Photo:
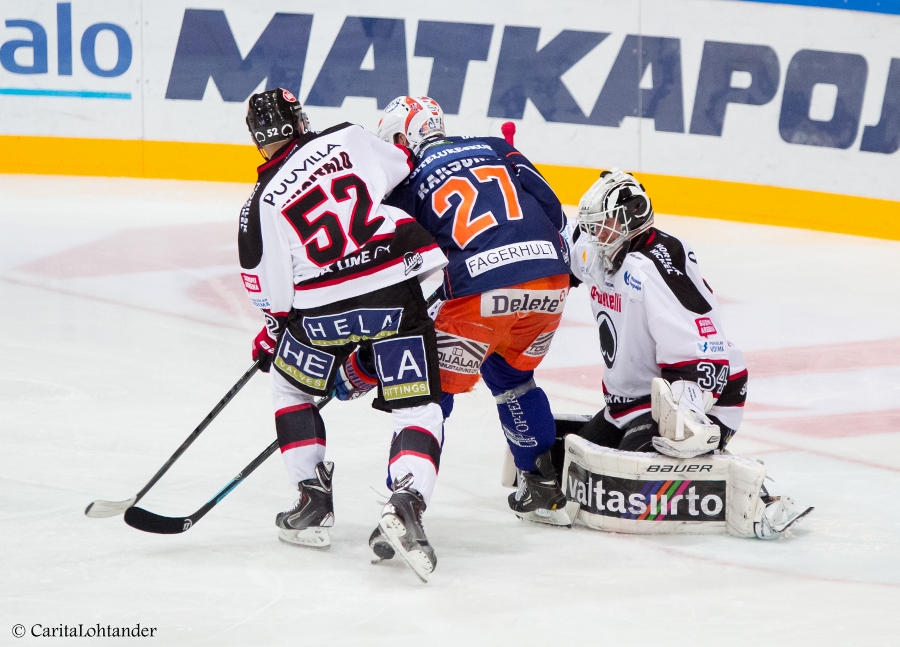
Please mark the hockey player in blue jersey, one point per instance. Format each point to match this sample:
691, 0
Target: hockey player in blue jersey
499, 223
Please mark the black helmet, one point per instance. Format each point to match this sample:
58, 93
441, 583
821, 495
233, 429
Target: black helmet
274, 116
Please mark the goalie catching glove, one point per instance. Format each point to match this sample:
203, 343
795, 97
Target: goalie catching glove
680, 409
353, 380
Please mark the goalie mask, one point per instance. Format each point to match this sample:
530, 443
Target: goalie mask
613, 211
418, 119
275, 116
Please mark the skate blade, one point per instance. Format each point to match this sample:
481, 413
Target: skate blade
312, 537
394, 530
549, 517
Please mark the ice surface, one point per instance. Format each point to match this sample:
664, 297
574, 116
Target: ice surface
124, 321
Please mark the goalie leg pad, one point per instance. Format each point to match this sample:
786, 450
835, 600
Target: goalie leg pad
645, 493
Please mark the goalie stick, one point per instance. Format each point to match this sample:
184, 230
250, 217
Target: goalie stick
151, 522
100, 509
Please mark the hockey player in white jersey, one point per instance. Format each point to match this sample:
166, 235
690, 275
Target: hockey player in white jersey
673, 382
333, 271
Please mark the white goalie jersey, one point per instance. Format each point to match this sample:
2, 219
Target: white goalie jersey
657, 317
314, 230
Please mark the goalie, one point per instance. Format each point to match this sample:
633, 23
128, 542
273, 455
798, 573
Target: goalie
673, 383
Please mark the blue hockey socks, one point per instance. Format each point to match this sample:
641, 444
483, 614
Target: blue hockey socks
524, 411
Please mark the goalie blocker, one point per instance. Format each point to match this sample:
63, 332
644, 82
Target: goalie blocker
644, 493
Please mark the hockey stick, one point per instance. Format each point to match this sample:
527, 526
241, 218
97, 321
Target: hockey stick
152, 522
99, 509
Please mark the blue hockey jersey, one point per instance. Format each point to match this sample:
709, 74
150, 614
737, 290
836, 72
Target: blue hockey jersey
493, 215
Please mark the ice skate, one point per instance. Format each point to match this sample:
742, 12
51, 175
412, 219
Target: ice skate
539, 498
307, 523
779, 514
401, 526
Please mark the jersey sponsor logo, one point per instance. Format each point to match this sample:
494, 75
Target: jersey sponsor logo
520, 435
661, 254
245, 210
251, 282
260, 303
609, 341
491, 259
350, 261
681, 467
609, 300
639, 500
517, 438
412, 261
402, 367
705, 326
705, 348
303, 364
632, 282
503, 302
540, 346
458, 354
352, 326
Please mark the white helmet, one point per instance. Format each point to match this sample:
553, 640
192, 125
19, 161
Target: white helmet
614, 210
418, 118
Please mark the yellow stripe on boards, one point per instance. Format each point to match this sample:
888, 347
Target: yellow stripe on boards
129, 158
754, 203
681, 196
191, 161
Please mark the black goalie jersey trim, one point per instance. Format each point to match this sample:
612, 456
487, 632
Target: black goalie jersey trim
670, 260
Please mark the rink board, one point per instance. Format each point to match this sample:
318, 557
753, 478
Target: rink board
720, 106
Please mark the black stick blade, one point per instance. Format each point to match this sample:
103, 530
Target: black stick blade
150, 522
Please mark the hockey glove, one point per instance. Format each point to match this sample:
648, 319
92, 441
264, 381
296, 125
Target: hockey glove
680, 409
353, 380
267, 339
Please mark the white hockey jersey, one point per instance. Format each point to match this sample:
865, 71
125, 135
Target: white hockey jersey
314, 230
659, 318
